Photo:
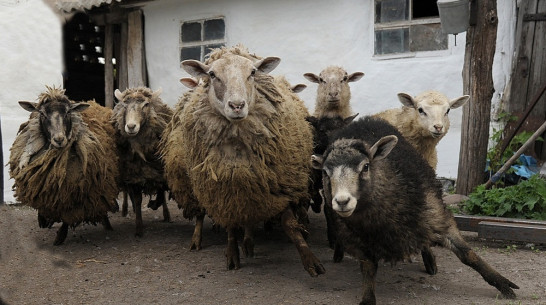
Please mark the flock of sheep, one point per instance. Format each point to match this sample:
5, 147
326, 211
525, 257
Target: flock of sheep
241, 147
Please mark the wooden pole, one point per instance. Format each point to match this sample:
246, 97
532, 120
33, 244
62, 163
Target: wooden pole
135, 50
108, 66
1, 160
478, 83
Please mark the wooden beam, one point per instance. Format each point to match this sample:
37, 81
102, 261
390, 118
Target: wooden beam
471, 222
478, 83
108, 66
512, 231
135, 50
122, 60
1, 160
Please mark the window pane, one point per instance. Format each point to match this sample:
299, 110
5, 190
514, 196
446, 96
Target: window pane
191, 31
427, 37
425, 9
214, 29
391, 10
190, 53
392, 41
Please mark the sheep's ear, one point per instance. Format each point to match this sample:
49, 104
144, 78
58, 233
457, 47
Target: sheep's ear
298, 88
118, 95
189, 82
29, 106
79, 107
458, 102
383, 147
267, 64
195, 68
355, 76
316, 161
312, 77
406, 99
348, 120
158, 92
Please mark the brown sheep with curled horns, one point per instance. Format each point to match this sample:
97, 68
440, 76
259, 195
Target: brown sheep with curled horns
246, 146
64, 162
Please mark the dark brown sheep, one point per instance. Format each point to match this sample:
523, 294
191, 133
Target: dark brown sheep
139, 119
64, 162
390, 203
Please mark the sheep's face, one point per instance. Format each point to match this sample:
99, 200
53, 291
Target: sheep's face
333, 86
136, 107
55, 118
347, 171
432, 109
232, 86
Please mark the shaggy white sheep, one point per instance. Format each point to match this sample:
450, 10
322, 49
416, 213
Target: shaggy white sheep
423, 120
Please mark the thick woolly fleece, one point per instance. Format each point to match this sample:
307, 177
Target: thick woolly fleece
74, 184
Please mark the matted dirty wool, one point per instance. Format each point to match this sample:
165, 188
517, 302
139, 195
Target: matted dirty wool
140, 162
74, 184
275, 142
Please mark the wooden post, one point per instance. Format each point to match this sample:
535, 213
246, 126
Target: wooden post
108, 66
478, 83
122, 60
135, 50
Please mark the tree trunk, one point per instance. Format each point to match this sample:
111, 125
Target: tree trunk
478, 83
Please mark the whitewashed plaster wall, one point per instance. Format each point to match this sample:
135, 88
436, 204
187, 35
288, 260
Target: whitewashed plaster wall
31, 53
309, 35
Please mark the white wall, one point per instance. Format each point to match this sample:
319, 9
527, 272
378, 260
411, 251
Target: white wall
309, 35
30, 48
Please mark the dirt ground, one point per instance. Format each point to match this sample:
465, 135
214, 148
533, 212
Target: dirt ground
95, 266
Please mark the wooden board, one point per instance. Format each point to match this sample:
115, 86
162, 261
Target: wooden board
512, 231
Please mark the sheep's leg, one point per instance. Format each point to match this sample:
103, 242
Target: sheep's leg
369, 270
330, 225
293, 229
106, 223
136, 198
248, 242
470, 258
197, 233
429, 260
339, 252
44, 222
232, 250
161, 200
125, 205
61, 234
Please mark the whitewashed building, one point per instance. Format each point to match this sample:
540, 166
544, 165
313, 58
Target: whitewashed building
398, 44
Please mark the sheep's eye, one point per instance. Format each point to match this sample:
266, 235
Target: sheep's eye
421, 111
344, 78
447, 111
321, 80
253, 72
212, 75
366, 167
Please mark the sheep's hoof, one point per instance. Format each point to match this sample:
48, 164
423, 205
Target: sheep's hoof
429, 260
232, 258
312, 265
248, 247
195, 243
61, 235
338, 253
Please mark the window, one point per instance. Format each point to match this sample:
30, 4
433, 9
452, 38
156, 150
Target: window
405, 26
198, 37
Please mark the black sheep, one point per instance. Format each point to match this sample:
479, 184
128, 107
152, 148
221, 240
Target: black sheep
390, 202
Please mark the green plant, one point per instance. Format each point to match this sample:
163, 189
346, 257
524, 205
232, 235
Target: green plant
526, 199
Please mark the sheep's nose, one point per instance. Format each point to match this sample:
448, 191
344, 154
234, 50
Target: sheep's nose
438, 127
342, 200
131, 126
236, 106
58, 139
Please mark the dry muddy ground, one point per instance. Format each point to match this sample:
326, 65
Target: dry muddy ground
95, 266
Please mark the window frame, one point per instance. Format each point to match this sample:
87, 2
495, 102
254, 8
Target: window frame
401, 24
201, 43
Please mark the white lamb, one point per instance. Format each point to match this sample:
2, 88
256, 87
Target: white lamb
423, 120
